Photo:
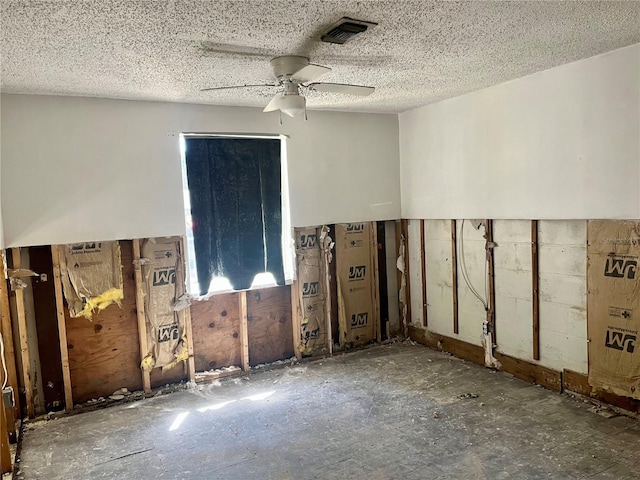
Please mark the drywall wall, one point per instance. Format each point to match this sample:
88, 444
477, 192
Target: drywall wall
562, 261
559, 144
79, 169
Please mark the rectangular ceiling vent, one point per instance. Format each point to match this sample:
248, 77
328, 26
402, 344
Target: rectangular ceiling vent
345, 30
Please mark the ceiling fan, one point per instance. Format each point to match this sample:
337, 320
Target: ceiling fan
295, 75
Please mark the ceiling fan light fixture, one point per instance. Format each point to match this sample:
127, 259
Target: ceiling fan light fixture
292, 105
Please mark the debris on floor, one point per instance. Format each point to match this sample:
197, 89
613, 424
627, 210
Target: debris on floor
604, 411
467, 395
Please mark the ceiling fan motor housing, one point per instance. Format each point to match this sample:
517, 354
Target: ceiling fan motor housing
286, 66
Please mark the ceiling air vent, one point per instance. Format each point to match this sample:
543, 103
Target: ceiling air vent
345, 29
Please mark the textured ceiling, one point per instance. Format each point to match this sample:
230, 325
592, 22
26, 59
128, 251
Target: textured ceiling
421, 51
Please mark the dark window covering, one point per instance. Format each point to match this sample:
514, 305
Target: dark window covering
236, 208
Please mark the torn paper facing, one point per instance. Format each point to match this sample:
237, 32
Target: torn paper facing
91, 277
164, 289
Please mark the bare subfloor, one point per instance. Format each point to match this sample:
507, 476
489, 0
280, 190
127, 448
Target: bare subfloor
389, 412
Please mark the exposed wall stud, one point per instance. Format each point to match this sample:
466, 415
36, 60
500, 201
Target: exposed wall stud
325, 272
405, 234
491, 313
59, 268
140, 311
186, 318
5, 452
398, 231
244, 331
295, 318
454, 273
535, 289
376, 283
23, 333
425, 321
6, 329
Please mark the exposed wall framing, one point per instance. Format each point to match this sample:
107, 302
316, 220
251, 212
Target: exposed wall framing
6, 330
454, 274
23, 335
58, 264
140, 314
423, 275
491, 312
535, 293
104, 354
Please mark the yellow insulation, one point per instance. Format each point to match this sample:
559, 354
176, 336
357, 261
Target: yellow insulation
148, 363
181, 356
102, 301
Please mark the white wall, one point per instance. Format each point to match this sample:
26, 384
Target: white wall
79, 169
560, 144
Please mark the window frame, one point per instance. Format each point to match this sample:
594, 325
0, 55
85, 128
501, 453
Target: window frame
288, 242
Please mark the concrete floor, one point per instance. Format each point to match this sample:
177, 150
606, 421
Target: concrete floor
389, 412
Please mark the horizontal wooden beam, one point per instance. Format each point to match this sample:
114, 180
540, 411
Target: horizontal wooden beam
521, 369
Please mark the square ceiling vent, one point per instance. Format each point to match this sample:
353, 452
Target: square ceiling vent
345, 29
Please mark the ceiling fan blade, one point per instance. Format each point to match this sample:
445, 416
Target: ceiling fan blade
310, 73
237, 86
230, 49
274, 104
342, 88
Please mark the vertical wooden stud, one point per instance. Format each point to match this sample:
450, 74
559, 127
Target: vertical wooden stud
6, 329
398, 232
491, 313
140, 311
295, 318
191, 363
375, 283
59, 269
405, 234
186, 318
454, 273
423, 264
325, 272
24, 342
5, 453
244, 330
535, 290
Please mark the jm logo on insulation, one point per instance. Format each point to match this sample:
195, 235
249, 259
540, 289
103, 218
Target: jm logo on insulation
620, 268
357, 273
620, 341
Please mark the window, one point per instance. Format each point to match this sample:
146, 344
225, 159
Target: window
236, 212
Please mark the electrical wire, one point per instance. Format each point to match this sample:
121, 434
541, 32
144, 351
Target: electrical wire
465, 274
4, 364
